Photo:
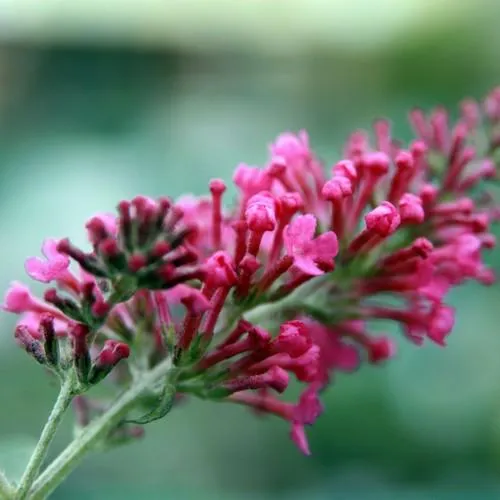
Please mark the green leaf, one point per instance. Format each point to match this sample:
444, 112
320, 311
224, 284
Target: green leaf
164, 405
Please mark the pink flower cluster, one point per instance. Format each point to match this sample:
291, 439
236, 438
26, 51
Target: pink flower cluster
315, 252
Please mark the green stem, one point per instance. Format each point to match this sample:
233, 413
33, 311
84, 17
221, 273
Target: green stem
6, 489
48, 433
64, 464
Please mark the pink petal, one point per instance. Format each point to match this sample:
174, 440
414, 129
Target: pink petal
298, 233
307, 266
18, 298
52, 268
411, 209
49, 249
45, 271
291, 147
298, 436
260, 212
383, 219
251, 180
309, 407
441, 323
326, 246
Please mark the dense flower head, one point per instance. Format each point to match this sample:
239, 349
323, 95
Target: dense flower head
286, 283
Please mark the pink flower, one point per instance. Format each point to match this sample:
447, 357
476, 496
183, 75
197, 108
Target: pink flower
383, 220
222, 266
100, 226
302, 414
110, 355
275, 378
306, 251
251, 180
335, 353
381, 349
345, 168
376, 164
112, 352
436, 289
220, 271
109, 221
261, 212
306, 412
428, 193
326, 248
460, 259
410, 209
337, 188
197, 214
441, 322
293, 338
292, 147
55, 267
18, 299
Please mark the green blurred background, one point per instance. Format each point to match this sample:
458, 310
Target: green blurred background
101, 100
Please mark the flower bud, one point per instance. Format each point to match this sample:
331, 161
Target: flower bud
81, 356
111, 354
51, 345
30, 345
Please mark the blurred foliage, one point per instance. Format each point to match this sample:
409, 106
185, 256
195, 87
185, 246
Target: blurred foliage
82, 128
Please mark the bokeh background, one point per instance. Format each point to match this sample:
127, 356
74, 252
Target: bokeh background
104, 99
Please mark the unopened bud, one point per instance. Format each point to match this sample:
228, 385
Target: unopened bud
51, 345
112, 254
30, 344
112, 353
81, 356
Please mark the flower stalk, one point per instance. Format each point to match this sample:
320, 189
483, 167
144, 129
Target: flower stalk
96, 432
55, 418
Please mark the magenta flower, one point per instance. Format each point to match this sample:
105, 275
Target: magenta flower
260, 213
305, 413
53, 268
441, 322
284, 284
251, 180
103, 225
383, 220
292, 147
306, 250
19, 299
411, 209
335, 353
